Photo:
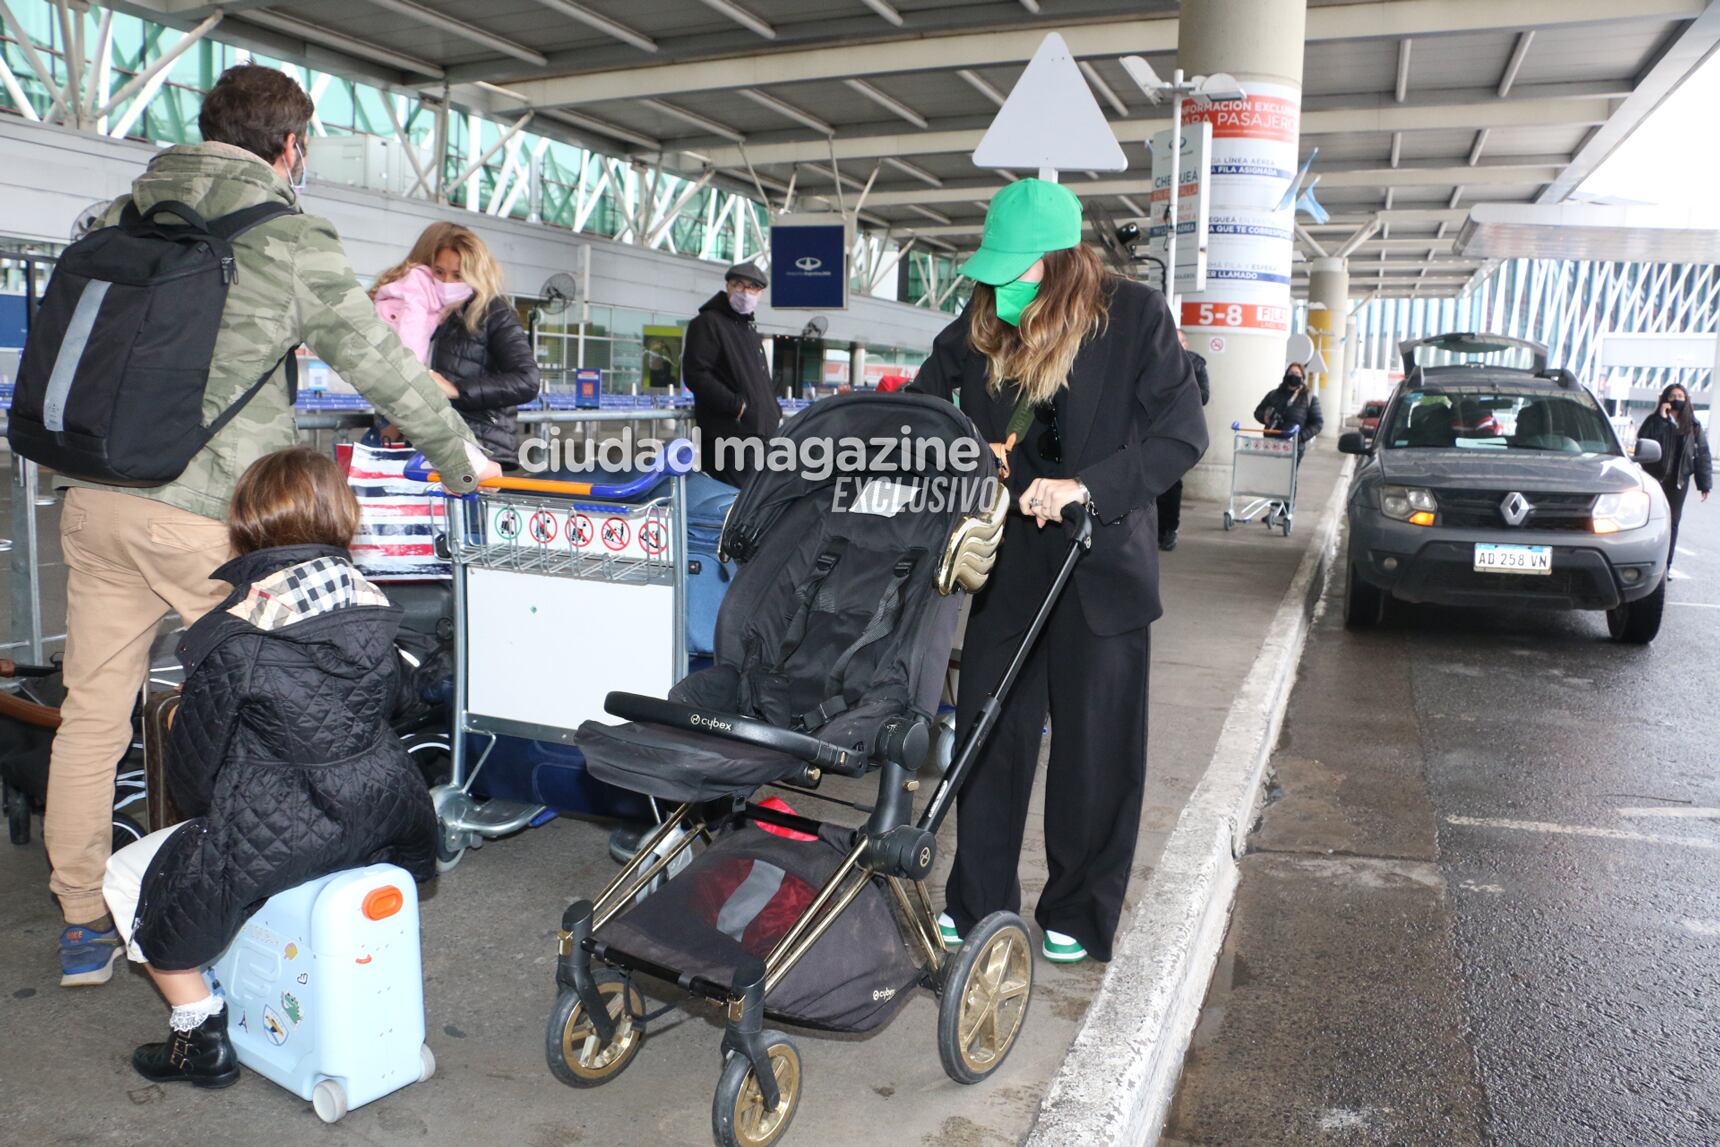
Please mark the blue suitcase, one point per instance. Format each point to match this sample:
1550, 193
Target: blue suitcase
325, 989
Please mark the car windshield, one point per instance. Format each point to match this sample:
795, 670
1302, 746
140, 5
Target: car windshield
1500, 416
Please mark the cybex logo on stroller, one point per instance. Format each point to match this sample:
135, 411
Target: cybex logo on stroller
700, 721
883, 994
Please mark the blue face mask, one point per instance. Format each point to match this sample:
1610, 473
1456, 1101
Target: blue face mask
1012, 298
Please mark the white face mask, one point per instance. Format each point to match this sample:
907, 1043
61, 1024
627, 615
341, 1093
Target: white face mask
744, 302
453, 294
298, 176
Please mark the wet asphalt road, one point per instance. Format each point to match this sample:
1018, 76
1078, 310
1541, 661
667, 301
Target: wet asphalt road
1484, 903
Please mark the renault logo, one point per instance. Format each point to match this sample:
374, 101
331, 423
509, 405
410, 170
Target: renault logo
1515, 509
809, 262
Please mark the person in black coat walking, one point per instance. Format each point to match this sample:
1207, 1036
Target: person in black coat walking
1076, 376
723, 364
280, 752
480, 356
1170, 502
1292, 404
1683, 453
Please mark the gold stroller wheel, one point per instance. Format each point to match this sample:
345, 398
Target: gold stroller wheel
738, 1115
986, 993
577, 1054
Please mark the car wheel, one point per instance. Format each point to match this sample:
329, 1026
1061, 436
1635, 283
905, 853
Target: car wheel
1637, 622
1364, 604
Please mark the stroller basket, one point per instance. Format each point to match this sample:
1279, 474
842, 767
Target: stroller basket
740, 897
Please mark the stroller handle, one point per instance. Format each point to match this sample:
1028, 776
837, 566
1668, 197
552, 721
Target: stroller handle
418, 470
10, 668
733, 727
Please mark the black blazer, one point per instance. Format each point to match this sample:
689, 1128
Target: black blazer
1133, 428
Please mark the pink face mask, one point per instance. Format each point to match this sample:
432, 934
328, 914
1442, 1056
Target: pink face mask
453, 294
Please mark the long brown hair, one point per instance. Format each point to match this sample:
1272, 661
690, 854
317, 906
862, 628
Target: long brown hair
293, 497
1684, 419
478, 268
1072, 306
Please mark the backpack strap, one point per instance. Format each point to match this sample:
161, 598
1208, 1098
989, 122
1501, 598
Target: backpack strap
230, 227
227, 228
137, 221
290, 360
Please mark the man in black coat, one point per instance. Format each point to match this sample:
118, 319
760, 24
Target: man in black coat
723, 364
1170, 502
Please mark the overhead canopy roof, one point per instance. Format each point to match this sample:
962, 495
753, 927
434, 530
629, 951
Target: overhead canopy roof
1420, 108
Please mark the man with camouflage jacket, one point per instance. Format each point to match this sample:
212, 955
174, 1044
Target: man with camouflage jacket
131, 555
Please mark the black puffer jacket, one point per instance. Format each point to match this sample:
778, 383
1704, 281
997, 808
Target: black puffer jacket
1283, 408
494, 371
723, 365
282, 755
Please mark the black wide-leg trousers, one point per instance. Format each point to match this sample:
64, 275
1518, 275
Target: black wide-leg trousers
1095, 691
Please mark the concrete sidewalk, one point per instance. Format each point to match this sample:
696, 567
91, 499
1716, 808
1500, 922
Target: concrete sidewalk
489, 956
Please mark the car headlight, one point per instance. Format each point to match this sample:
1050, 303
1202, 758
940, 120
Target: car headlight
1627, 510
1408, 504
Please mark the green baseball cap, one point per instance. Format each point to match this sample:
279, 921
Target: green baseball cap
1026, 220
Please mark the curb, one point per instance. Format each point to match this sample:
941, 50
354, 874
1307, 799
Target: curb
1116, 1084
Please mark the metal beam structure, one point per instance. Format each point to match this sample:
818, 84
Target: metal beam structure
1104, 39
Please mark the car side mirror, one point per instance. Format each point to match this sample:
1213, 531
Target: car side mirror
1352, 442
1647, 452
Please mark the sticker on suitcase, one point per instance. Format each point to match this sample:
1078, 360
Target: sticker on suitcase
273, 1027
294, 1011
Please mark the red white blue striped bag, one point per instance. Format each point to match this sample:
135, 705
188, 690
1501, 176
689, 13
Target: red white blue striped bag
398, 518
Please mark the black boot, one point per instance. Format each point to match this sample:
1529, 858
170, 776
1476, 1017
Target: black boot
203, 1056
1168, 541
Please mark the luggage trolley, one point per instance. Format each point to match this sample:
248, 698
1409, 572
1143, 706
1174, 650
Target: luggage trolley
1263, 470
546, 573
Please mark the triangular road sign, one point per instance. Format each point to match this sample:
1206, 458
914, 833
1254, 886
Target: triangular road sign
1051, 120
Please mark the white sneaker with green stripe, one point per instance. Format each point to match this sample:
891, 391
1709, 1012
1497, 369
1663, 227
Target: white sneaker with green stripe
1061, 949
947, 931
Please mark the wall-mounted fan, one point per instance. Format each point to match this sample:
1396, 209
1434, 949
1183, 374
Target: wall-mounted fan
89, 219
559, 292
815, 327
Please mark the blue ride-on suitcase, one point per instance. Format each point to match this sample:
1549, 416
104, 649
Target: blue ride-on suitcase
325, 989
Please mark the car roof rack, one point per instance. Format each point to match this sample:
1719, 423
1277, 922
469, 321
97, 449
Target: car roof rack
1472, 342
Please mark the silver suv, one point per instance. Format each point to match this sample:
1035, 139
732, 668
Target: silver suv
1493, 481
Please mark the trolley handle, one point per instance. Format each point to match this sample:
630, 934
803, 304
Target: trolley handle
418, 470
9, 668
1290, 433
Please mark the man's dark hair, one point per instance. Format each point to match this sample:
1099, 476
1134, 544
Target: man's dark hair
255, 108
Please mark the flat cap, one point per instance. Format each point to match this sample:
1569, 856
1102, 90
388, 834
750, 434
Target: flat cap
748, 271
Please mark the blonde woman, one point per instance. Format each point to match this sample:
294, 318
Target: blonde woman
1078, 376
480, 355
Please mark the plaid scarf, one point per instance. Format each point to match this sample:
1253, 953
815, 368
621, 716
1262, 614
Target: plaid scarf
308, 589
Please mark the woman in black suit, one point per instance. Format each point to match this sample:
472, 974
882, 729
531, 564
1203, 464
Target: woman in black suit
1079, 375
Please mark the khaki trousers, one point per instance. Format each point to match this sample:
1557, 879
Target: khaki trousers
129, 560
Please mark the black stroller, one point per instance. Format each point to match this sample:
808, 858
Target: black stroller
831, 648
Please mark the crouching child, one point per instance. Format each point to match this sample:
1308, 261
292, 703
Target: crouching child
281, 753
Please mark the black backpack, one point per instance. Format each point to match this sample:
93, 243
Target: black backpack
111, 384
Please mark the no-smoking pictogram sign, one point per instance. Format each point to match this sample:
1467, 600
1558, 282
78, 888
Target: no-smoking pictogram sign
653, 538
615, 533
579, 530
543, 527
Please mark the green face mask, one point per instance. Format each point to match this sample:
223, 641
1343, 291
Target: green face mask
1012, 299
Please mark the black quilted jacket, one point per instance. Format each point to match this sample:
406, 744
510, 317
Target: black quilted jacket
494, 371
282, 755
